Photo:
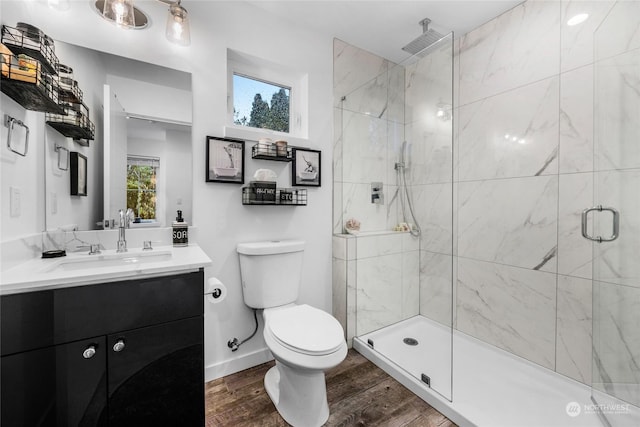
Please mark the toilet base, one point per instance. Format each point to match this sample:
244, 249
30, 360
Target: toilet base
300, 396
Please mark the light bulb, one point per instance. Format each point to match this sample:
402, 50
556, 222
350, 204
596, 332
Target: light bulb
178, 25
120, 12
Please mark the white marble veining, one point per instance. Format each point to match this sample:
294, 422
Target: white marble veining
511, 308
430, 150
616, 262
351, 299
371, 98
576, 120
339, 290
364, 148
574, 251
616, 340
573, 342
436, 298
396, 94
40, 274
576, 41
357, 204
516, 48
353, 67
428, 83
512, 134
379, 292
620, 30
510, 221
376, 245
387, 279
617, 108
410, 304
434, 210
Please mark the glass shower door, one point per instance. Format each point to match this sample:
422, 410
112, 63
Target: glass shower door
616, 217
397, 168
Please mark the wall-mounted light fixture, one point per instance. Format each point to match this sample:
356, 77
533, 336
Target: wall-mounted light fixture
178, 24
124, 14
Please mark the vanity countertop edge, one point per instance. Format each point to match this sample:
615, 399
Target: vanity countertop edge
36, 275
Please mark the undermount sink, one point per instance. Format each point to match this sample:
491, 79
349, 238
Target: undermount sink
122, 260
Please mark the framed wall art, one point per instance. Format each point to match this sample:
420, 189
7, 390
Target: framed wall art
78, 172
225, 160
306, 171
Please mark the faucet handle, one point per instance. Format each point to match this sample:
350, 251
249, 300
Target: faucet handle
94, 248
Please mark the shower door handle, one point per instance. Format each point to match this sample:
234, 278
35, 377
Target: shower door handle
599, 239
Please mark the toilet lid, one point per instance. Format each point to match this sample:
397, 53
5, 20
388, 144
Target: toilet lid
307, 330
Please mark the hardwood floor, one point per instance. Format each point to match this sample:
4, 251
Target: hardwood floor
359, 394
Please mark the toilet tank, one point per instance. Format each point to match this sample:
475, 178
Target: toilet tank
271, 272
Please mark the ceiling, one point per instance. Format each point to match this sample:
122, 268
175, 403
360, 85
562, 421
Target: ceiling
384, 27
381, 27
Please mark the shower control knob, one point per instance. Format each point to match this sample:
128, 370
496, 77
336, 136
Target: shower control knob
118, 346
89, 352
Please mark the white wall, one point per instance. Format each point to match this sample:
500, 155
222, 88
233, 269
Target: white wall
221, 218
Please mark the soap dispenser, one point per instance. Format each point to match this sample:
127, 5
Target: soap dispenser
180, 231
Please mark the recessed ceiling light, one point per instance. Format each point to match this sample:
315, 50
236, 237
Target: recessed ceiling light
577, 19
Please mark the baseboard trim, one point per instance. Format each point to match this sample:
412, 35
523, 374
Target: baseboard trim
240, 363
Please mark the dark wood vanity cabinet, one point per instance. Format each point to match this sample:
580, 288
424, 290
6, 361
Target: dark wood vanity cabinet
126, 353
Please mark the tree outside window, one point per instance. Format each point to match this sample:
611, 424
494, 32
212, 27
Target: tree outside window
250, 107
141, 187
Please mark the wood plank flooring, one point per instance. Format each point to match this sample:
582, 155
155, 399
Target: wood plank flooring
359, 394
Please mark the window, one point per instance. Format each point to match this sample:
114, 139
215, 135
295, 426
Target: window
260, 104
265, 98
141, 187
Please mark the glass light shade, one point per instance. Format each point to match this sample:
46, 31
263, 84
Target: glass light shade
178, 25
120, 12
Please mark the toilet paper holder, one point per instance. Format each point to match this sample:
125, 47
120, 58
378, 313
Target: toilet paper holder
215, 293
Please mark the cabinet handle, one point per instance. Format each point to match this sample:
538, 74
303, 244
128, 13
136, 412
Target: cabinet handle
118, 346
89, 352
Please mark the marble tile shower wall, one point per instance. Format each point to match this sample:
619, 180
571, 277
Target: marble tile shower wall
524, 173
369, 110
369, 130
617, 292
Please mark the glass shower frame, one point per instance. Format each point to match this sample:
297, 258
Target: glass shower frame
615, 268
393, 276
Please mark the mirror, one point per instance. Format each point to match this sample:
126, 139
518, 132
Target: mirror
142, 116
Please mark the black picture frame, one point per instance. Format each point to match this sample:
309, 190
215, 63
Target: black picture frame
78, 172
306, 168
225, 160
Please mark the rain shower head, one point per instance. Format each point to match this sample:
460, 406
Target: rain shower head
428, 38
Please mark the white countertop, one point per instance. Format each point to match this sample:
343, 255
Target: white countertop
39, 274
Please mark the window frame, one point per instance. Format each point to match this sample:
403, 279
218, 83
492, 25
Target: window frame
154, 162
275, 74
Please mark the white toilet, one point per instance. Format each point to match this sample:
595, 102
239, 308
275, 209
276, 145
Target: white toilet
305, 341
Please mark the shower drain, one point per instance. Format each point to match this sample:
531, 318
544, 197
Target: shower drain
410, 341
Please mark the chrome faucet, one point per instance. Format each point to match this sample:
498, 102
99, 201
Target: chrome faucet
125, 221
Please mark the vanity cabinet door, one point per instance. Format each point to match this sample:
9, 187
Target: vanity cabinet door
156, 375
63, 385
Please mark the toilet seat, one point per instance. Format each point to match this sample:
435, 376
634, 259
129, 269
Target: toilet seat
306, 330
